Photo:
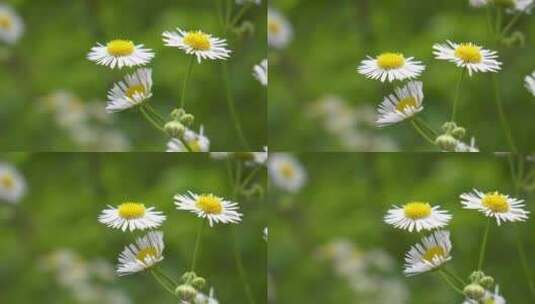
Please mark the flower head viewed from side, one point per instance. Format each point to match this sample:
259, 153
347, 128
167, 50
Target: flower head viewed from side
429, 254
529, 83
197, 142
11, 25
120, 53
146, 252
132, 91
468, 55
417, 215
198, 43
280, 31
12, 184
214, 208
494, 204
390, 67
286, 172
405, 103
260, 72
131, 216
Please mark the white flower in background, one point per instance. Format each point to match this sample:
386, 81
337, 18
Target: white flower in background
417, 215
132, 216
494, 204
489, 298
468, 55
405, 103
260, 72
257, 2
390, 67
519, 6
429, 254
201, 298
198, 43
286, 172
132, 91
120, 53
463, 147
529, 83
280, 31
197, 142
478, 3
146, 252
214, 208
11, 25
12, 184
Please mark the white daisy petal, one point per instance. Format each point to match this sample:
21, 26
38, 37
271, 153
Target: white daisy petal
432, 251
286, 172
405, 103
390, 67
12, 184
131, 216
120, 53
469, 56
146, 252
11, 25
197, 142
260, 72
213, 208
132, 91
201, 45
494, 204
417, 216
529, 83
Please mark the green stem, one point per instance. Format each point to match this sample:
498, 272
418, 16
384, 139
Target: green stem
169, 280
483, 246
161, 282
154, 113
454, 276
238, 16
241, 270
503, 119
197, 245
457, 96
489, 22
150, 119
422, 133
498, 22
511, 24
228, 12
186, 80
524, 262
231, 107
450, 283
219, 9
249, 177
426, 126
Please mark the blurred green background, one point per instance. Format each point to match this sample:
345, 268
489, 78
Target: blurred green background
331, 39
66, 193
347, 197
51, 57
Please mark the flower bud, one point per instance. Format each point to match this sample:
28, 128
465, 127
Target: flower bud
487, 282
187, 119
187, 277
449, 126
186, 292
174, 128
458, 132
474, 291
198, 282
178, 113
446, 142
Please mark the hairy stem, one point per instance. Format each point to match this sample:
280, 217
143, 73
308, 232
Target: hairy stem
422, 133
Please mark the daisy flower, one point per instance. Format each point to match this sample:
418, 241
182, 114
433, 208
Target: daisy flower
429, 254
11, 25
286, 172
132, 91
120, 53
12, 184
198, 43
146, 252
214, 208
197, 142
463, 147
403, 104
280, 31
468, 55
391, 66
260, 72
529, 83
417, 215
516, 6
202, 298
132, 216
494, 204
489, 297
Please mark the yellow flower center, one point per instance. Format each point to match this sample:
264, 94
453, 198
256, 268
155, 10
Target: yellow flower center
194, 145
198, 41
496, 202
135, 90
131, 210
390, 61
274, 27
417, 210
146, 252
433, 252
7, 181
120, 47
469, 53
5, 22
287, 170
406, 103
210, 204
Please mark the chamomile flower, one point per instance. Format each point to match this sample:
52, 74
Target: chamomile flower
145, 253
280, 31
11, 25
197, 142
286, 172
260, 72
432, 251
132, 216
132, 91
494, 204
12, 184
390, 67
417, 215
529, 83
403, 104
198, 43
120, 53
469, 56
214, 208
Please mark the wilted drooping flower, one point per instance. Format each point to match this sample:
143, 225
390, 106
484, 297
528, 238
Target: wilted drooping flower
417, 215
429, 254
197, 43
404, 103
132, 216
214, 208
146, 252
12, 184
390, 67
260, 72
494, 204
120, 53
280, 31
11, 25
468, 56
133, 91
286, 172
